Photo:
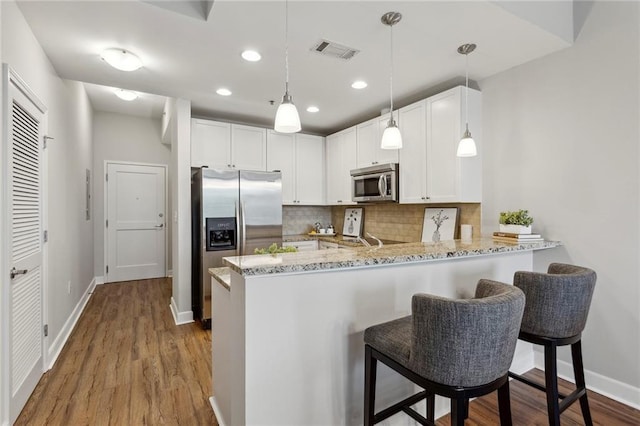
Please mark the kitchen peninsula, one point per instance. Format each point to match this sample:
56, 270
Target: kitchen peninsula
288, 330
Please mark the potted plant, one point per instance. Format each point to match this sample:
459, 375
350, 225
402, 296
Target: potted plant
516, 222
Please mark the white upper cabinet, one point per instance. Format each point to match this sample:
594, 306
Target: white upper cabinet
281, 156
210, 144
248, 147
430, 171
219, 145
310, 178
300, 158
369, 135
341, 159
413, 155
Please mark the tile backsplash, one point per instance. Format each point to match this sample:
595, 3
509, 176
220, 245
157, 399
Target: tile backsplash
403, 222
298, 220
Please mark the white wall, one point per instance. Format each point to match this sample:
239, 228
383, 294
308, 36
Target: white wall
70, 247
561, 138
119, 137
180, 123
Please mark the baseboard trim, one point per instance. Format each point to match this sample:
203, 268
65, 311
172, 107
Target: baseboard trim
180, 318
611, 388
58, 344
217, 411
99, 280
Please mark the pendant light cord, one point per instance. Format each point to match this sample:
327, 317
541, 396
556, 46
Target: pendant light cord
466, 92
286, 46
391, 72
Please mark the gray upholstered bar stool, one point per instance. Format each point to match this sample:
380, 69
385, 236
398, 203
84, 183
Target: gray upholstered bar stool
555, 313
458, 349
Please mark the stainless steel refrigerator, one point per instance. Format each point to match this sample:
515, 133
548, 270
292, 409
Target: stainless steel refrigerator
232, 213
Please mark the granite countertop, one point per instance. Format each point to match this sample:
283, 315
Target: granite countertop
369, 256
222, 275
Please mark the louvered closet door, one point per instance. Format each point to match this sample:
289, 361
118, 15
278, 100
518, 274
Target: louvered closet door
25, 257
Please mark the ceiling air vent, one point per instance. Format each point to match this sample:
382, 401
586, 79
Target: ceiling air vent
335, 50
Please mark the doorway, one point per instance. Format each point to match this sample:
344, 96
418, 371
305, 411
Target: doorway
135, 225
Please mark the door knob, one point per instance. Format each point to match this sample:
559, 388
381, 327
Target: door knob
160, 226
15, 272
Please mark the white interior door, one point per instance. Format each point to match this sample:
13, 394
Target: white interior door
25, 259
135, 224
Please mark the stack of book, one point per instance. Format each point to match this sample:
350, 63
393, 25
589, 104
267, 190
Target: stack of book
517, 238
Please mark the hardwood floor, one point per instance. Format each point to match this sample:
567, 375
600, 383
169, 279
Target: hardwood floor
529, 407
127, 363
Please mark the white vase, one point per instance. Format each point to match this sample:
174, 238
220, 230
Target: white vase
515, 229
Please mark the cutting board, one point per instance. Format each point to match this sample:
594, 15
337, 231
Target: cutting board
353, 222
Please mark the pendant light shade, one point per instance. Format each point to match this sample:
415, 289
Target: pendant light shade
467, 146
391, 138
287, 118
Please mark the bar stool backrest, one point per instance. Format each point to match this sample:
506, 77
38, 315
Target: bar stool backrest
557, 303
467, 342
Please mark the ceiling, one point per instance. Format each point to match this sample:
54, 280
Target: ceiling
192, 48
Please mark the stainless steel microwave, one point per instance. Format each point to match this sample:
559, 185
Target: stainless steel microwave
377, 183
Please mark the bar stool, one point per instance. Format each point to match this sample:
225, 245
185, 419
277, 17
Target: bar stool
458, 349
555, 313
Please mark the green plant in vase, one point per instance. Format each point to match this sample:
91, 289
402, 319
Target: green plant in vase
517, 222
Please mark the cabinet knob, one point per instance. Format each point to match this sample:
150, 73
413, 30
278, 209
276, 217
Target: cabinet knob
229, 165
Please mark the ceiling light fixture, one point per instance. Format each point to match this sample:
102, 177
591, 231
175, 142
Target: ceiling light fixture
467, 146
391, 138
359, 84
313, 109
223, 92
121, 59
287, 118
251, 56
126, 95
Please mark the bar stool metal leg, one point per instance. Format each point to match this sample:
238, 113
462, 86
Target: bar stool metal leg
457, 412
578, 372
370, 368
551, 384
504, 405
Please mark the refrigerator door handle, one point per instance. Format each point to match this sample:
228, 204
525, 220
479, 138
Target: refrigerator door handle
243, 230
237, 213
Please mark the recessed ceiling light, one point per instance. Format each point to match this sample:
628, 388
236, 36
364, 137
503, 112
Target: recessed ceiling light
223, 92
251, 56
313, 109
126, 95
121, 59
359, 84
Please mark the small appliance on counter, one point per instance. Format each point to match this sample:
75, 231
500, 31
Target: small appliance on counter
353, 222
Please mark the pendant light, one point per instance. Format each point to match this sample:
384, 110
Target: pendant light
391, 138
467, 146
287, 118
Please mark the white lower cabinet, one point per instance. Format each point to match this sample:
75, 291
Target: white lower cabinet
430, 171
300, 158
305, 245
341, 159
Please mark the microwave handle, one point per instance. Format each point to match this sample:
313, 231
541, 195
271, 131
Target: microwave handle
381, 181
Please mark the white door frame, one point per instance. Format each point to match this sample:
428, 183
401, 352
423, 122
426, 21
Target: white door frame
9, 76
105, 213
